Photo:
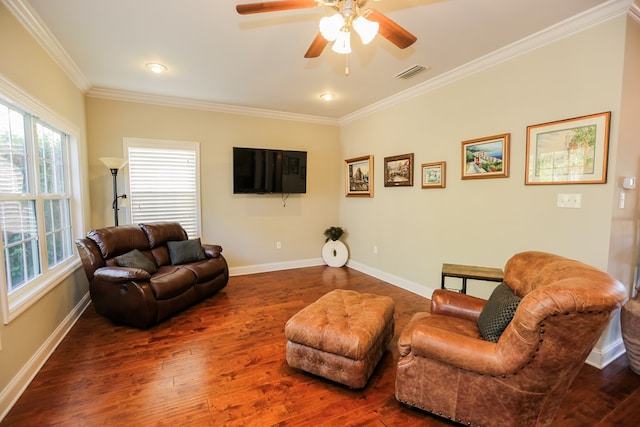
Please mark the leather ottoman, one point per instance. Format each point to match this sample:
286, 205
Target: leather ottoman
342, 336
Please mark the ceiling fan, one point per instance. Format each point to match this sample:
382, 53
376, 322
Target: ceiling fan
351, 14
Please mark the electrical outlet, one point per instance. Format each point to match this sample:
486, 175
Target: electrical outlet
375, 250
278, 245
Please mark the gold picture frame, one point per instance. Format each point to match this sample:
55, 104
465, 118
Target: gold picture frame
434, 175
570, 151
486, 157
359, 176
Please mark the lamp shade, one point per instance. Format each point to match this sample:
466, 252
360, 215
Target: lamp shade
366, 29
343, 43
330, 26
113, 162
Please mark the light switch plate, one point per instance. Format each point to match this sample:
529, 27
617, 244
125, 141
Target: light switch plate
629, 183
573, 201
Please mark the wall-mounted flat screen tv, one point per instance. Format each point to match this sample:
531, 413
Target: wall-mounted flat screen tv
261, 171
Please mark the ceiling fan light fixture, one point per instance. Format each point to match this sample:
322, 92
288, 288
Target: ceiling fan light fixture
330, 26
366, 29
343, 43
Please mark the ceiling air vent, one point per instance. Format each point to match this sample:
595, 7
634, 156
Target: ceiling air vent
410, 72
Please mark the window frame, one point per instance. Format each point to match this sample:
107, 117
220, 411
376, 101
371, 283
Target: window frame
167, 145
14, 305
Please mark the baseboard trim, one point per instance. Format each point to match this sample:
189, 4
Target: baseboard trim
405, 284
21, 381
276, 266
600, 358
312, 262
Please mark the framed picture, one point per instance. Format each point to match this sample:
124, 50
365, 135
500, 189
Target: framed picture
398, 171
571, 151
359, 176
486, 157
434, 175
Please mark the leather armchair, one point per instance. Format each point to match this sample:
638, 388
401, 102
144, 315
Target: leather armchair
448, 369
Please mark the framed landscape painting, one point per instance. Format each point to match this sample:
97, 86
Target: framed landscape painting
359, 177
398, 171
571, 151
486, 157
433, 175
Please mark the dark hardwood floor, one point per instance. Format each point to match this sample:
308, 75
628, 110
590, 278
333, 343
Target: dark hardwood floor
222, 362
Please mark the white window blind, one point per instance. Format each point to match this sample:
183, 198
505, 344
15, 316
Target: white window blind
164, 182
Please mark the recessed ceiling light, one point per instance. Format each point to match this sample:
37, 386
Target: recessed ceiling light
156, 68
327, 96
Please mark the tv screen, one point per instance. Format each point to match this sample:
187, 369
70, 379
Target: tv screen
261, 170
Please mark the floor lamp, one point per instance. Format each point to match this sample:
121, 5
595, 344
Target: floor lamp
114, 164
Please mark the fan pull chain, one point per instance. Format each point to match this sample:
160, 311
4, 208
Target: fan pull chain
346, 66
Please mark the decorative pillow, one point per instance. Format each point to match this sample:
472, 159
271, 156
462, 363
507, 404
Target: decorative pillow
135, 259
185, 251
497, 312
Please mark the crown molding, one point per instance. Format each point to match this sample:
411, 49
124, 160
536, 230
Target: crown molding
25, 14
606, 11
566, 28
205, 106
30, 20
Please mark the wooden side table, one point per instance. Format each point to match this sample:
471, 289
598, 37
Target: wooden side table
465, 272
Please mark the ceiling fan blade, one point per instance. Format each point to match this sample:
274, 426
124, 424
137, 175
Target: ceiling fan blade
392, 31
317, 46
274, 6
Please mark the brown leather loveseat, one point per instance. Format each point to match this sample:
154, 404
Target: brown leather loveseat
142, 274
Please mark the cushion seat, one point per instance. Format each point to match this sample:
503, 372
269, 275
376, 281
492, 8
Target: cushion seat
205, 270
171, 281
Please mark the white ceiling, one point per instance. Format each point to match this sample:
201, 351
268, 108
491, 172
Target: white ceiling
217, 57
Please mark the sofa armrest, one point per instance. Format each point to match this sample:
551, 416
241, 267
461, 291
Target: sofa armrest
211, 251
90, 256
121, 274
463, 352
455, 304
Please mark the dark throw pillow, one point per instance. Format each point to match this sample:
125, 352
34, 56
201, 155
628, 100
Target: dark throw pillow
497, 312
135, 259
185, 251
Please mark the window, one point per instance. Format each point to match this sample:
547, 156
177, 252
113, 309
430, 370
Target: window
36, 239
164, 182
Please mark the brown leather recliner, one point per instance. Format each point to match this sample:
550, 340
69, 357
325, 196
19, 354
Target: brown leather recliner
138, 297
448, 369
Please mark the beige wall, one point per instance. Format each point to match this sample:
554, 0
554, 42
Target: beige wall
624, 255
483, 222
247, 226
27, 66
625, 223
